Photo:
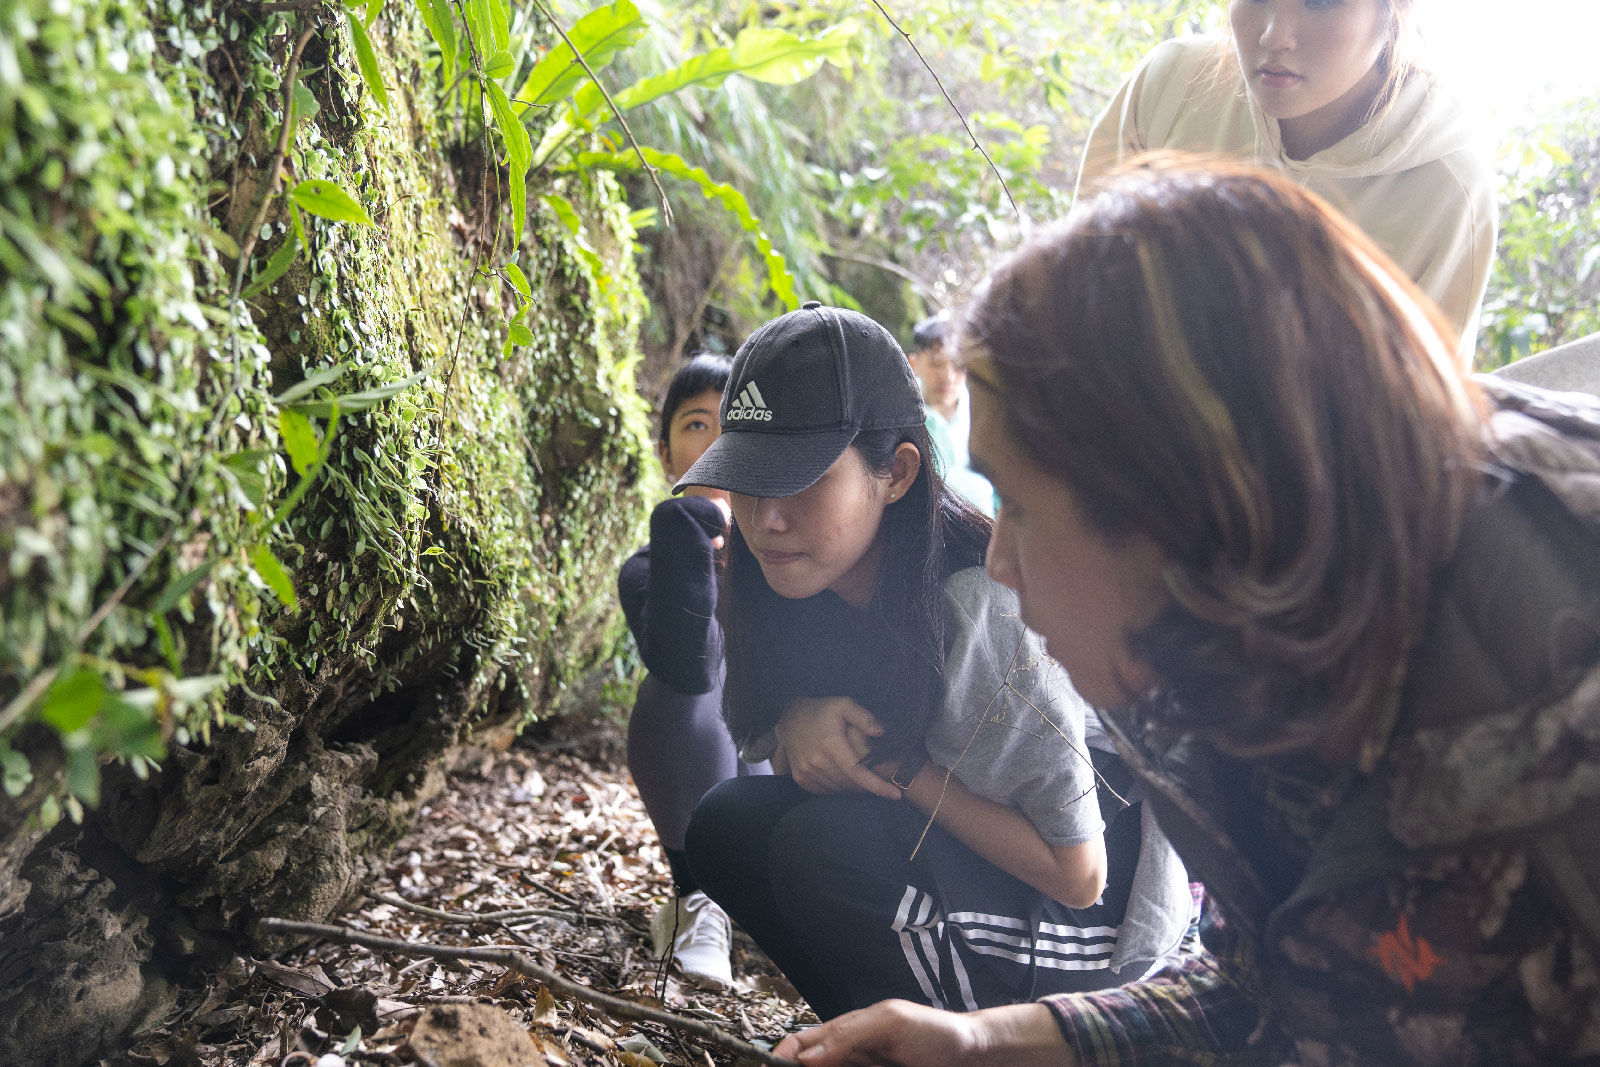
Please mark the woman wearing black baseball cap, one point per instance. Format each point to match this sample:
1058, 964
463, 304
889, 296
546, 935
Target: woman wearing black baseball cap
938, 834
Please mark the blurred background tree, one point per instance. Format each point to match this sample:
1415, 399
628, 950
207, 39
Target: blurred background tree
1545, 289
863, 175
866, 181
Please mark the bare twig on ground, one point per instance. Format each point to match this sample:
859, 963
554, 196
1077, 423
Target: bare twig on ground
655, 179
949, 100
556, 893
494, 918
519, 962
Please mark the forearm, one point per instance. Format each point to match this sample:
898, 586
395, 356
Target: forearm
1021, 1035
1203, 1007
903, 1034
1073, 875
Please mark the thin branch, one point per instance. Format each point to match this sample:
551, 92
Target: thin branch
494, 918
556, 893
689, 324
519, 962
888, 267
41, 681
666, 208
1006, 188
247, 239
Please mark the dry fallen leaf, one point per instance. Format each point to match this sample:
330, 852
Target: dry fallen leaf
544, 1009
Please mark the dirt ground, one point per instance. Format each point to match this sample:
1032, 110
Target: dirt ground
553, 824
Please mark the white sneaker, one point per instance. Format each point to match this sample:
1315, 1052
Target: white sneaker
702, 940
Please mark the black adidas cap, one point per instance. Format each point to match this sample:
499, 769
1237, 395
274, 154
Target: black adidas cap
802, 387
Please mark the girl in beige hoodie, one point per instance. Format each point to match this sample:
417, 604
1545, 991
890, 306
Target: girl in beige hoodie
1327, 92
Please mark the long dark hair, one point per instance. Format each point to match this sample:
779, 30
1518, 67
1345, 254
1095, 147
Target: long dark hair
927, 535
1210, 357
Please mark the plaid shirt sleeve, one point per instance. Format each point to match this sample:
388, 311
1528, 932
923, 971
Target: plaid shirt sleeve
1201, 1009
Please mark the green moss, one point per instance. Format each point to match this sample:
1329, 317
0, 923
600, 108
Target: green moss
476, 519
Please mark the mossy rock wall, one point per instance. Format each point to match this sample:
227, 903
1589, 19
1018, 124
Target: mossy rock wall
453, 564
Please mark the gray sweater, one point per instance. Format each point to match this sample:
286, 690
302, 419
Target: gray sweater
1014, 731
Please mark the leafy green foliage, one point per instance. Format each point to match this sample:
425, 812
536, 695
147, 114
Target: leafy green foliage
778, 276
760, 53
600, 36
109, 301
276, 266
271, 571
299, 439
366, 58
441, 25
519, 155
1545, 285
327, 200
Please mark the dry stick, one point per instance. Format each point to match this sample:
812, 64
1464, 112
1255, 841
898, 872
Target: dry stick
1006, 188
519, 962
491, 917
666, 208
247, 243
483, 198
891, 268
983, 719
950, 771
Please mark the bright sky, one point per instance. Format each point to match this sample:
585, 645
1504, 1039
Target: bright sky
1515, 57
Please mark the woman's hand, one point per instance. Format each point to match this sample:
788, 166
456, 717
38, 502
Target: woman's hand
824, 740
902, 1034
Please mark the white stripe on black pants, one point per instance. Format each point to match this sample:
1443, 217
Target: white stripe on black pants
825, 885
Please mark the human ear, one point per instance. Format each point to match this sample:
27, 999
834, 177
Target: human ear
665, 455
907, 462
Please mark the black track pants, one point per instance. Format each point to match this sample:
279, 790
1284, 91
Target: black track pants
827, 887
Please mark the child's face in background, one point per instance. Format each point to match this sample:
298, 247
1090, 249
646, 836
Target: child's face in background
940, 376
689, 433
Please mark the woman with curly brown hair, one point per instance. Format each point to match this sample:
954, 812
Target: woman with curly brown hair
1338, 604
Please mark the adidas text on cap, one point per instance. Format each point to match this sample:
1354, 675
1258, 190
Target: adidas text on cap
749, 405
803, 385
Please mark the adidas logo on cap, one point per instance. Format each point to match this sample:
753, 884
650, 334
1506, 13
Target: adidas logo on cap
748, 405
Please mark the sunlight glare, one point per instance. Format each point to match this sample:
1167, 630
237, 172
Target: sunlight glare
1515, 61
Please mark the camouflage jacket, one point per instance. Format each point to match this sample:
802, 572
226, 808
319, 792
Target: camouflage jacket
1443, 909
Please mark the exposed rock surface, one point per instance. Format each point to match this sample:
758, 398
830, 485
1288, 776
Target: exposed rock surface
472, 1035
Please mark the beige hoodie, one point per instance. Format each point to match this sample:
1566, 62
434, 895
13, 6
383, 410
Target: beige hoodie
1414, 180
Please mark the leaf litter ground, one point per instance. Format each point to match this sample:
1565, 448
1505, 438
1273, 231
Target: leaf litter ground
554, 825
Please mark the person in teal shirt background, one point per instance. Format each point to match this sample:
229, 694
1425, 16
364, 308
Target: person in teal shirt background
944, 397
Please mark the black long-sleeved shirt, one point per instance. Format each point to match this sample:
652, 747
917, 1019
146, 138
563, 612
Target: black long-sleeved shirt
669, 595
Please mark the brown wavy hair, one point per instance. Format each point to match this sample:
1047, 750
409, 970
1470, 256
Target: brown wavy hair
1208, 355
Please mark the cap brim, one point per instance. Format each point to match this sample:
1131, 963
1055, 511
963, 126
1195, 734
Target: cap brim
766, 464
